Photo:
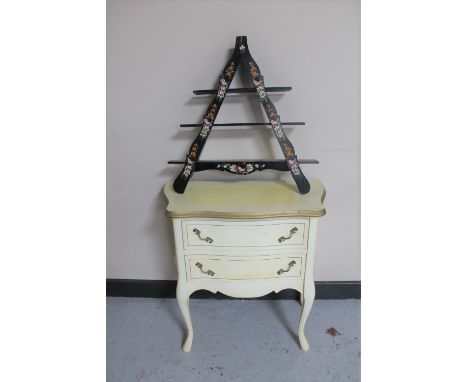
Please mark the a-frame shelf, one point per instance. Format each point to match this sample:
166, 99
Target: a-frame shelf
241, 57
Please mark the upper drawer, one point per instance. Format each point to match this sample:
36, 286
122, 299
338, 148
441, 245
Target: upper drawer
261, 234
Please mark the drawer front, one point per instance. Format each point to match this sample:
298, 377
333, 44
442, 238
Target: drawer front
243, 268
263, 234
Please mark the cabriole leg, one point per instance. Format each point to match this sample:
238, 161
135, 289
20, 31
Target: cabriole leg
183, 301
307, 300
308, 292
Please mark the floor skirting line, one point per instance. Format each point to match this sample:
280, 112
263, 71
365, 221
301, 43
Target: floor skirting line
325, 290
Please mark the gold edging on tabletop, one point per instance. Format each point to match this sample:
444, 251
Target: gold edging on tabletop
244, 215
248, 215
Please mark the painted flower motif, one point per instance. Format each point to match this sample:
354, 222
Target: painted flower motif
188, 167
241, 169
222, 89
278, 129
204, 131
270, 112
187, 170
288, 150
229, 70
206, 128
294, 166
211, 113
193, 151
261, 92
260, 88
252, 69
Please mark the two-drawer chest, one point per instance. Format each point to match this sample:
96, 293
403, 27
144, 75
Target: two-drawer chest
245, 239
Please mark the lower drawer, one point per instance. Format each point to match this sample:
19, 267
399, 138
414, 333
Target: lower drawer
243, 267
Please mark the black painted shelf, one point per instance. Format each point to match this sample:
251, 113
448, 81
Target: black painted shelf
244, 124
216, 161
273, 89
243, 166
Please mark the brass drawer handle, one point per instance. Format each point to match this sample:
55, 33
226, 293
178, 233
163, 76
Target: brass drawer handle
198, 233
290, 265
209, 272
291, 233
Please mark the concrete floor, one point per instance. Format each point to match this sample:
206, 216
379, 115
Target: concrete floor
234, 340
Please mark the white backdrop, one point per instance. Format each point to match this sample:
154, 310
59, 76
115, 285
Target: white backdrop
159, 51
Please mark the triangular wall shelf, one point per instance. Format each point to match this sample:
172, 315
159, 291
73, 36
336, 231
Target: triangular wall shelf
192, 163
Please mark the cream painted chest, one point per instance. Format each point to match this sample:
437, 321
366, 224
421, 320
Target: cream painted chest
245, 239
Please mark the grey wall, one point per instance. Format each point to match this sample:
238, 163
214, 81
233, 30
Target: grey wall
159, 51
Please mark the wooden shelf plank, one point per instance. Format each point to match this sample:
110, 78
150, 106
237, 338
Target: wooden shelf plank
211, 161
244, 124
243, 166
273, 89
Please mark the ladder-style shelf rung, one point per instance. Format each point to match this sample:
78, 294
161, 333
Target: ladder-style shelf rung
244, 124
208, 161
273, 89
243, 166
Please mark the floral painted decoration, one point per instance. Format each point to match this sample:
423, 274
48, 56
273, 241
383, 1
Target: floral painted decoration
288, 150
206, 128
188, 168
193, 151
294, 166
241, 168
253, 69
221, 89
277, 128
270, 112
229, 72
260, 89
212, 112
187, 171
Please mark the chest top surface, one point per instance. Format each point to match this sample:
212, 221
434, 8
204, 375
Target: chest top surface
245, 199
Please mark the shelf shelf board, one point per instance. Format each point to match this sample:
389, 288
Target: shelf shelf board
273, 89
243, 166
244, 124
230, 161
